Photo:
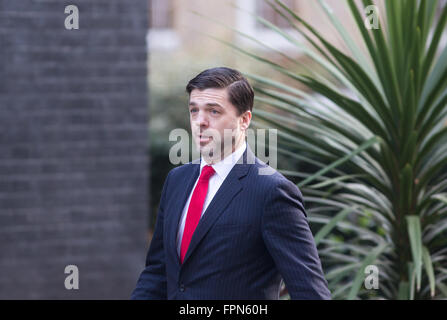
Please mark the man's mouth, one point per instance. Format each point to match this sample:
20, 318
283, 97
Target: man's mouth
205, 139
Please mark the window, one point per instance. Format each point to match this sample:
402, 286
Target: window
264, 10
161, 14
248, 24
161, 34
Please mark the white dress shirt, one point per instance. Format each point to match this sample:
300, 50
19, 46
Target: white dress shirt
222, 170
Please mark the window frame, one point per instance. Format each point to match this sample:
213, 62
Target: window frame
162, 39
247, 24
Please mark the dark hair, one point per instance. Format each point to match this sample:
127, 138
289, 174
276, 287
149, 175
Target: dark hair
240, 92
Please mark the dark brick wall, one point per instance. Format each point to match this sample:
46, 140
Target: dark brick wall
73, 148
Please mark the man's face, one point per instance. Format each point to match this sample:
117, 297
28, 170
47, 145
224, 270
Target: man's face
211, 114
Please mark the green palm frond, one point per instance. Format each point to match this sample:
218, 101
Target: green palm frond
371, 123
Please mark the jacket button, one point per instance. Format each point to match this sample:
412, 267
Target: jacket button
182, 287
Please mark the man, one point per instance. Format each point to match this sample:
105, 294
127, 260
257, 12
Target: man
225, 229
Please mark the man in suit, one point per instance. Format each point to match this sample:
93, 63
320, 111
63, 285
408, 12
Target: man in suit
225, 229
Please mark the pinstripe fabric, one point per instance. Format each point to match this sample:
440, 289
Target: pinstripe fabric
253, 233
222, 170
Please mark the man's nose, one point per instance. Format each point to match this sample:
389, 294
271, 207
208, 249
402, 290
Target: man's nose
202, 119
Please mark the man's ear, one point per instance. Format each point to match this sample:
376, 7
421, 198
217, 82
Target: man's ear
245, 120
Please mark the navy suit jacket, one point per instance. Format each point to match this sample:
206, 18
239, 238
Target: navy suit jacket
253, 233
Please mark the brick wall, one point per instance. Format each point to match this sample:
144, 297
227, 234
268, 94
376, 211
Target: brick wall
73, 148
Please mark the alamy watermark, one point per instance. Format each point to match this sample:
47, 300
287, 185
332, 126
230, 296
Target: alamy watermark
182, 153
372, 277
72, 20
72, 280
372, 17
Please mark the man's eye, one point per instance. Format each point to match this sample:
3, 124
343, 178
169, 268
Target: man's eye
193, 110
215, 112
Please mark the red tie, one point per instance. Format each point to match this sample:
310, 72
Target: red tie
195, 209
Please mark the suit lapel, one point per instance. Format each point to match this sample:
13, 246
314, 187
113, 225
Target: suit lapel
182, 195
227, 191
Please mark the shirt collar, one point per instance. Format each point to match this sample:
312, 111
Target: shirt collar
224, 166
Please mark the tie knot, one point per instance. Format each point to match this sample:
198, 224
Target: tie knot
207, 172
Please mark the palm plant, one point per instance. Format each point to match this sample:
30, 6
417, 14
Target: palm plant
373, 121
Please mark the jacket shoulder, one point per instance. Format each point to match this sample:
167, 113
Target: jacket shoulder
181, 170
269, 179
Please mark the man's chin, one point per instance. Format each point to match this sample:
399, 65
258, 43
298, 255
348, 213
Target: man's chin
206, 151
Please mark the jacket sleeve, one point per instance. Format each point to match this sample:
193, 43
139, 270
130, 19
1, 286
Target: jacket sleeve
152, 283
289, 240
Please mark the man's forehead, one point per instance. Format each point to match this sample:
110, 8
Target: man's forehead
209, 95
